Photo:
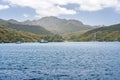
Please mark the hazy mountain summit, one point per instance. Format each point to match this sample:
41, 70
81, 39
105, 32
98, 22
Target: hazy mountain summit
48, 24
57, 25
13, 21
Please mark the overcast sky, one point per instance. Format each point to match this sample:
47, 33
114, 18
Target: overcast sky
93, 12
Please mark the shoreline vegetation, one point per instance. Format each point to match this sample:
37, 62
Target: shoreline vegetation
8, 35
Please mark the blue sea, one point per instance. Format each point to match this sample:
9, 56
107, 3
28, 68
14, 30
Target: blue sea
60, 61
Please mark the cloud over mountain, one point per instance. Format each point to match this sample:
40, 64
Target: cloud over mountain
57, 7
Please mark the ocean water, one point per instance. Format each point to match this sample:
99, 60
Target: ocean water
60, 61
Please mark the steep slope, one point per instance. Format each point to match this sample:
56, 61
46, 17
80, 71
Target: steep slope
21, 27
11, 35
108, 33
59, 26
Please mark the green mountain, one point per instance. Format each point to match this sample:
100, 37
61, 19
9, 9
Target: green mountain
107, 33
12, 31
8, 34
21, 27
59, 26
11, 35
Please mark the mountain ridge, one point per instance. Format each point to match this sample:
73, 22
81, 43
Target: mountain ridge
59, 26
105, 33
108, 33
23, 27
10, 35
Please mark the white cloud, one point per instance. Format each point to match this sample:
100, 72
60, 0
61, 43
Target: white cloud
118, 7
95, 5
26, 15
53, 8
42, 7
4, 7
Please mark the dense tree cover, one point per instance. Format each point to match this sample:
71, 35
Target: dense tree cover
53, 38
108, 33
11, 35
101, 36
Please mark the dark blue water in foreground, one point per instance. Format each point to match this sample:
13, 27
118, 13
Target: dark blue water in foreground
60, 61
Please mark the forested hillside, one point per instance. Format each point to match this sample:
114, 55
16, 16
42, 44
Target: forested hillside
12, 35
22, 27
107, 33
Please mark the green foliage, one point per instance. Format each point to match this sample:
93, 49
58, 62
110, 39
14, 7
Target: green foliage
52, 38
11, 35
73, 36
27, 33
26, 28
109, 33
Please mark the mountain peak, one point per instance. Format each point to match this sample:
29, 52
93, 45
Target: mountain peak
49, 18
52, 17
13, 21
58, 25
